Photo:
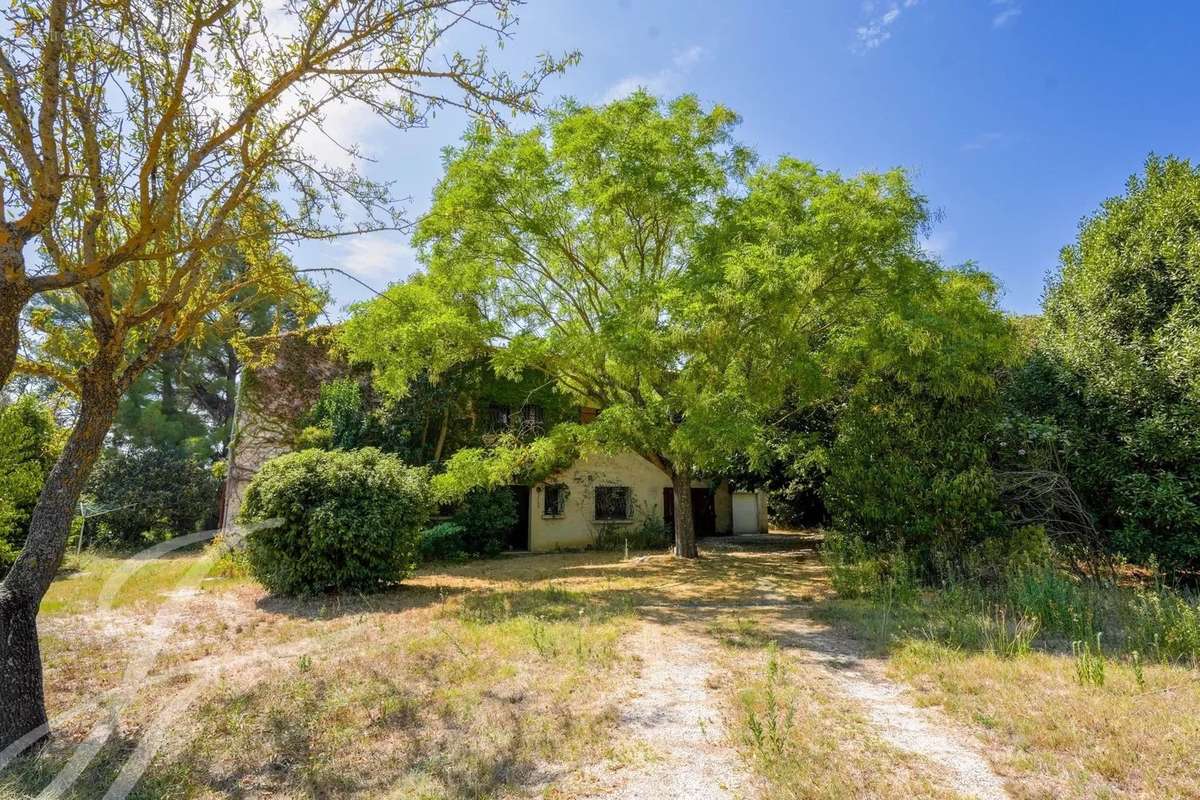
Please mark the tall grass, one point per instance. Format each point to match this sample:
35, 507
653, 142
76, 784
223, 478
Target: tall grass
1020, 607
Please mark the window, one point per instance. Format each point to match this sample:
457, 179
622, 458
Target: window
612, 503
533, 418
497, 418
554, 500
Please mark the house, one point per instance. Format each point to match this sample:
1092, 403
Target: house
623, 489
598, 494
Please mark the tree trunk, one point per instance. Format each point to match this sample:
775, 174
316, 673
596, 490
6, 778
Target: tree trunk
22, 709
229, 396
22, 704
12, 300
685, 521
441, 440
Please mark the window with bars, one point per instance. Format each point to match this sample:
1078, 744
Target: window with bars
533, 418
613, 503
497, 417
554, 500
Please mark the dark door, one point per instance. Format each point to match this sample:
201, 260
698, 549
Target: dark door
704, 511
517, 537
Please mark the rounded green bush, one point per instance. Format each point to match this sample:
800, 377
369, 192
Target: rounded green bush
348, 521
444, 542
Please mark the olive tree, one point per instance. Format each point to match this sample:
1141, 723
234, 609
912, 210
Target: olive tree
142, 143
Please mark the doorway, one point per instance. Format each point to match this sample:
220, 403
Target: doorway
516, 538
704, 511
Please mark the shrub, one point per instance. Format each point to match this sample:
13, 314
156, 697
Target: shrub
443, 542
156, 493
1115, 370
649, 534
911, 471
1164, 624
313, 437
30, 441
858, 570
485, 517
350, 521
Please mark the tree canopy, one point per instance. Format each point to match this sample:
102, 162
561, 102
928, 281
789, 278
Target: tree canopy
1113, 386
634, 255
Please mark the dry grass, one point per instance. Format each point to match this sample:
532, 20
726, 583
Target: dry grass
501, 677
1055, 738
1052, 732
83, 578
463, 684
808, 742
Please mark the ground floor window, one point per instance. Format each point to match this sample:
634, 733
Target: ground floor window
554, 500
613, 503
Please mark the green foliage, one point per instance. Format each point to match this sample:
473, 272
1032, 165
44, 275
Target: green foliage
649, 533
1009, 638
1164, 624
628, 253
1113, 388
858, 570
30, 441
1009, 613
443, 542
770, 721
1011, 552
1089, 662
509, 460
792, 463
341, 411
157, 493
1067, 608
348, 521
484, 517
909, 466
313, 437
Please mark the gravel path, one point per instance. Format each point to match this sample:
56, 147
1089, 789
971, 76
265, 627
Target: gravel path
674, 715
923, 731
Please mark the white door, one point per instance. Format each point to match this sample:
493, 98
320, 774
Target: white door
745, 512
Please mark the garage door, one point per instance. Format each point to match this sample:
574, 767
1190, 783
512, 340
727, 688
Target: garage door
745, 512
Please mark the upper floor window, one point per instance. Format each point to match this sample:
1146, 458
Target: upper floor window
533, 417
498, 417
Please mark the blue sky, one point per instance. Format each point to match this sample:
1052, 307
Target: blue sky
1014, 117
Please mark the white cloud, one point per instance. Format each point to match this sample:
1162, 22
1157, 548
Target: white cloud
1005, 11
687, 58
877, 29
658, 83
377, 258
342, 139
938, 243
663, 82
985, 140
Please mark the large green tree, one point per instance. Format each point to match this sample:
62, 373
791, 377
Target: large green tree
1114, 381
630, 254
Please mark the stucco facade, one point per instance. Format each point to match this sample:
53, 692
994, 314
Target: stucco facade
577, 525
